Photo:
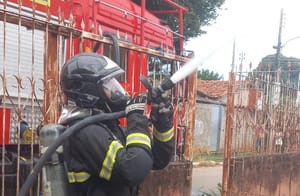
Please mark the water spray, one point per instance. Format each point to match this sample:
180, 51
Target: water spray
169, 83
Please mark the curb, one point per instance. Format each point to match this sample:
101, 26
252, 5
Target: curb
206, 163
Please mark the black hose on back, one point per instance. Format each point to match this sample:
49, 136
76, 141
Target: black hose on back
30, 180
116, 48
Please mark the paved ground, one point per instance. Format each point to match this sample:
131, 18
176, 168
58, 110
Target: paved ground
206, 179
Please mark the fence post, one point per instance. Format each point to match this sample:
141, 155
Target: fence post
228, 134
192, 92
51, 78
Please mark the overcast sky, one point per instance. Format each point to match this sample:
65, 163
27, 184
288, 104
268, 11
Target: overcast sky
254, 24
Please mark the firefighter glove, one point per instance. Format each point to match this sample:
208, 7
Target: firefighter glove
162, 115
136, 105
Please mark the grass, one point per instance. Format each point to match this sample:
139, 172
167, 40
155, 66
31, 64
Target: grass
218, 157
212, 156
216, 192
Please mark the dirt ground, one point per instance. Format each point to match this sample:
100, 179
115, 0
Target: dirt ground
206, 179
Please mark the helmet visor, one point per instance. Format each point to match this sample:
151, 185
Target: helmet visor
114, 88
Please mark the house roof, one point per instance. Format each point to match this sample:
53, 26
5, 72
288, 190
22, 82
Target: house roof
212, 88
217, 88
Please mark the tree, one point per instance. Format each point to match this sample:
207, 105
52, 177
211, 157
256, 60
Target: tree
287, 71
201, 13
205, 74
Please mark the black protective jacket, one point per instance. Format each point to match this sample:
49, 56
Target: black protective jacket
104, 160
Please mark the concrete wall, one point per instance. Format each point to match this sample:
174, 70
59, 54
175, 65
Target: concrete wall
174, 180
275, 174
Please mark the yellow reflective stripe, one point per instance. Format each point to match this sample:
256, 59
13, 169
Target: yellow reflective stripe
138, 138
164, 136
78, 177
110, 160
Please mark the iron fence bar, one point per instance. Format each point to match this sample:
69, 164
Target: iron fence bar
19, 86
228, 135
4, 100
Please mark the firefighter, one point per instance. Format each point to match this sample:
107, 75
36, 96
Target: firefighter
104, 159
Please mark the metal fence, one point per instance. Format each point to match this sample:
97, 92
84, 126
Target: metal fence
22, 61
262, 120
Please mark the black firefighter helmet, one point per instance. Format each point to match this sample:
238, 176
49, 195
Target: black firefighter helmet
85, 79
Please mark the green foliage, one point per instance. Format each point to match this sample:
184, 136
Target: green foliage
201, 13
206, 74
212, 156
218, 192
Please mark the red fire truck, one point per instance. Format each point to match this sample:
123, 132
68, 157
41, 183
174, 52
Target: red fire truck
126, 32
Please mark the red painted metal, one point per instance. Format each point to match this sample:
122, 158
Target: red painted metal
129, 22
180, 10
143, 7
176, 5
54, 7
180, 17
4, 125
125, 19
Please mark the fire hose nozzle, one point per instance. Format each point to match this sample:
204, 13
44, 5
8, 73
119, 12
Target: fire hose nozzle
166, 84
155, 93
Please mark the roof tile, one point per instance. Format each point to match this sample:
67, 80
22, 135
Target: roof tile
212, 88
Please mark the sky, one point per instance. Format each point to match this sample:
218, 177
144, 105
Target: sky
253, 25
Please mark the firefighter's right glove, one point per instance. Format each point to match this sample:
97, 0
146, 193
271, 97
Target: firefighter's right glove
162, 115
136, 105
137, 129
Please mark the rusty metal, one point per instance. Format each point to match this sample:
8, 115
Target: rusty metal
51, 76
228, 134
191, 112
262, 134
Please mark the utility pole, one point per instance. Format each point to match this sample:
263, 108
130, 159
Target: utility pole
233, 55
279, 46
242, 58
